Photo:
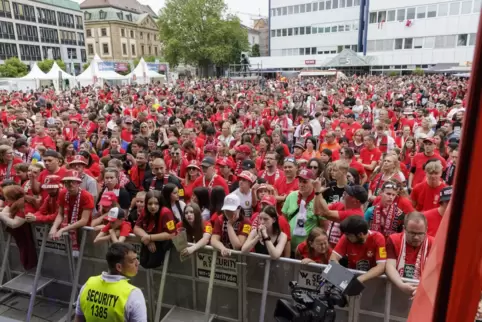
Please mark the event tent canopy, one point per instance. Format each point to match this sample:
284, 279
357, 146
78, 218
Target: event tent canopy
35, 73
142, 70
54, 73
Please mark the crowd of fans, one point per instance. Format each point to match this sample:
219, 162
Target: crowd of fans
356, 170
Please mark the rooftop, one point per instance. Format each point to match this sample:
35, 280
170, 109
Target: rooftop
128, 5
66, 4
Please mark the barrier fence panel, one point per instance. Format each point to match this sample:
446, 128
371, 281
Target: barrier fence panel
244, 287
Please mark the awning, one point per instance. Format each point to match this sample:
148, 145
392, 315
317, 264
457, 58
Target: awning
348, 58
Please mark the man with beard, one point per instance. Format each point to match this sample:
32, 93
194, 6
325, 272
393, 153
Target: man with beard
176, 165
160, 177
387, 215
364, 249
271, 172
50, 206
139, 171
407, 252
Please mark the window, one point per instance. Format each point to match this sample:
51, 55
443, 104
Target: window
398, 43
334, 28
124, 49
142, 50
290, 10
295, 31
273, 12
466, 7
132, 33
133, 50
88, 32
341, 28
148, 36
313, 50
327, 29
322, 5
307, 51
410, 13
462, 40
342, 3
105, 49
408, 43
445, 41
302, 8
429, 42
371, 45
302, 30
129, 17
123, 32
382, 16
328, 4
90, 49
308, 7
443, 9
278, 32
391, 15
285, 33
72, 53
356, 2
102, 14
347, 27
290, 32
334, 4
432, 11
315, 6
418, 43
273, 33
308, 30
321, 30
401, 14
302, 51
421, 12
349, 3
103, 32
155, 50
477, 5
297, 9
285, 11
314, 30
454, 8
373, 17
141, 35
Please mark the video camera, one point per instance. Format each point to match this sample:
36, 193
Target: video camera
319, 305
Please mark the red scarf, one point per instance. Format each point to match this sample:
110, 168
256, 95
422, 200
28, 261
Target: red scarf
276, 175
73, 218
419, 263
382, 144
385, 222
308, 200
154, 180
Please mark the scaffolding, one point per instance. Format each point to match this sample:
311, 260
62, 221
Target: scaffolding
244, 71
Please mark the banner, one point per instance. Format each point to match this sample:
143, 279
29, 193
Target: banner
121, 67
153, 67
226, 268
106, 66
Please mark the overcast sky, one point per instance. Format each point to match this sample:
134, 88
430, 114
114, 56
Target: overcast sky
254, 7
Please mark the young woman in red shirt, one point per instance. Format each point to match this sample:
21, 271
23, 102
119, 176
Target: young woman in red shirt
315, 249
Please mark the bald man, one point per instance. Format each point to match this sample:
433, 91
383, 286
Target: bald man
160, 177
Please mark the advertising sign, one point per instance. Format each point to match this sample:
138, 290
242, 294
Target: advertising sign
106, 66
121, 67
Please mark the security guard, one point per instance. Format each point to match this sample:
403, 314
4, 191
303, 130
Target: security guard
110, 297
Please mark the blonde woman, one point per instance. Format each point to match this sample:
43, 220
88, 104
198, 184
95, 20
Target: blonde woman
145, 131
389, 170
7, 162
114, 147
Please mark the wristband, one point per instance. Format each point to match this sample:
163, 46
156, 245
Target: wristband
266, 239
317, 193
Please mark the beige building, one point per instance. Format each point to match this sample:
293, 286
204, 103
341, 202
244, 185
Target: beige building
120, 30
261, 25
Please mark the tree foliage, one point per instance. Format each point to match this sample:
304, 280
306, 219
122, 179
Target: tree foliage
13, 67
255, 51
199, 32
46, 65
86, 65
418, 71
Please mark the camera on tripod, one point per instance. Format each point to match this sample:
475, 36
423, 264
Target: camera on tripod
319, 305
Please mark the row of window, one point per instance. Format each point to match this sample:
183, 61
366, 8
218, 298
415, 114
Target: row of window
6, 30
49, 35
5, 9
51, 52
429, 11
311, 50
106, 50
72, 53
316, 29
68, 37
8, 50
27, 32
30, 52
46, 16
24, 12
66, 20
437, 42
314, 6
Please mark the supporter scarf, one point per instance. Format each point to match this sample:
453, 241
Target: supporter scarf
238, 169
154, 180
419, 263
450, 172
178, 169
308, 200
73, 218
276, 175
382, 144
28, 156
123, 180
211, 183
284, 125
383, 220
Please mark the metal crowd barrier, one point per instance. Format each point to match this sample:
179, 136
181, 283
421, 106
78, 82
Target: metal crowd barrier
242, 287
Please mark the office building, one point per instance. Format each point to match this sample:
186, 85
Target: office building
120, 29
383, 35
42, 29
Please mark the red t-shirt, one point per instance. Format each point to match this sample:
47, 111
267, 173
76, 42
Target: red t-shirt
271, 179
364, 256
303, 250
124, 229
13, 174
41, 178
367, 156
351, 129
86, 203
207, 227
358, 167
418, 162
216, 181
333, 231
426, 197
283, 224
241, 227
46, 141
165, 223
434, 218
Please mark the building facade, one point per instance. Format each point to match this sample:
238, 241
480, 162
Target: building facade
262, 26
43, 29
120, 30
394, 35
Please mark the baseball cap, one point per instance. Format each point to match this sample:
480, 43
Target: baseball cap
243, 148
51, 153
116, 214
128, 120
246, 175
269, 200
51, 182
431, 140
231, 202
357, 192
446, 194
108, 198
72, 175
78, 159
248, 165
300, 146
208, 162
306, 174
194, 164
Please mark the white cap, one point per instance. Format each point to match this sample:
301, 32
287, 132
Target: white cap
231, 202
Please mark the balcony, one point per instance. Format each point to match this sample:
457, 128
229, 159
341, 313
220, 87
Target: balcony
49, 40
6, 14
7, 36
47, 21
25, 18
27, 38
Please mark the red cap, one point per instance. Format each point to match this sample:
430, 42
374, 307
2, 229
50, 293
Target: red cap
246, 175
243, 148
431, 140
78, 159
51, 182
108, 198
306, 174
72, 175
269, 199
194, 164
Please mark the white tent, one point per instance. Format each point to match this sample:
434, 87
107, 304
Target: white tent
142, 75
33, 79
53, 75
87, 77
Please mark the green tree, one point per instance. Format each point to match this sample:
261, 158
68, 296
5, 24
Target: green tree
255, 51
128, 71
85, 66
200, 32
46, 65
418, 71
13, 67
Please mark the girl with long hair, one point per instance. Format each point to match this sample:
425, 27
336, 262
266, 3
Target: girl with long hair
170, 192
111, 178
315, 249
200, 196
267, 238
217, 201
67, 151
409, 150
198, 231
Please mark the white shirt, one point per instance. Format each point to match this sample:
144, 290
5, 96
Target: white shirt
246, 201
